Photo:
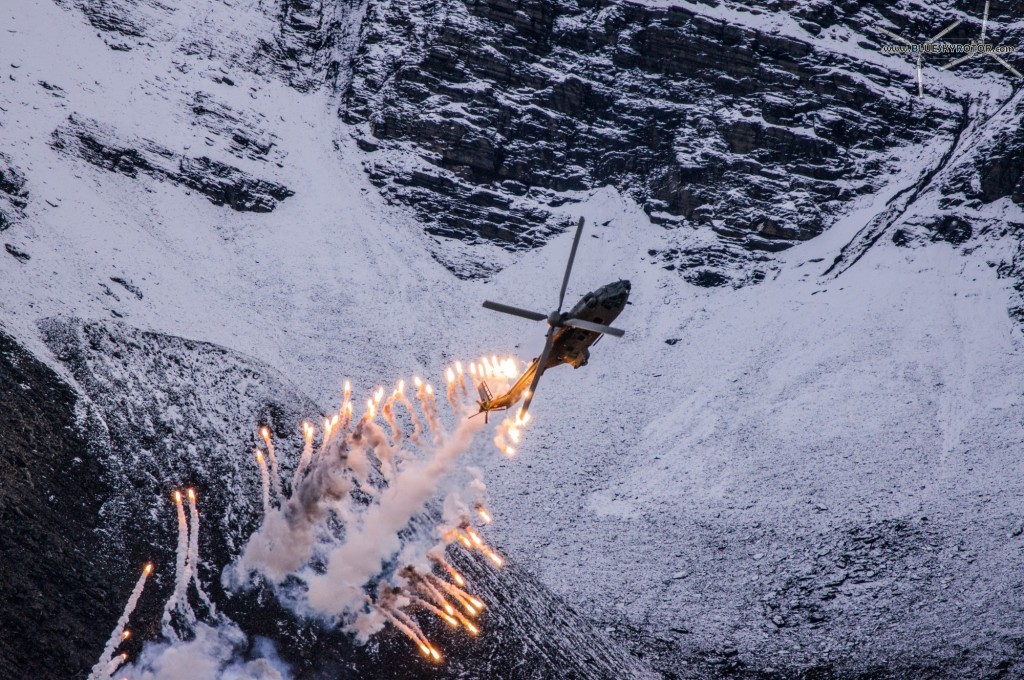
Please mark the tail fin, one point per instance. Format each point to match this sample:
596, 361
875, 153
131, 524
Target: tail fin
485, 398
485, 393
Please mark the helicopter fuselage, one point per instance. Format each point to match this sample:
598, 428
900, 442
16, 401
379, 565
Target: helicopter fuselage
570, 345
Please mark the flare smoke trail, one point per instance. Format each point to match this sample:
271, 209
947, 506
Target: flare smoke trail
265, 478
275, 475
425, 393
193, 551
307, 454
389, 416
114, 664
376, 438
352, 564
179, 598
118, 635
417, 429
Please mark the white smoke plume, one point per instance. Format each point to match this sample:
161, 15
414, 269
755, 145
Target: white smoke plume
350, 565
216, 653
354, 518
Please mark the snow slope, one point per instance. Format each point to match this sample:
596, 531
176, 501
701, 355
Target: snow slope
818, 471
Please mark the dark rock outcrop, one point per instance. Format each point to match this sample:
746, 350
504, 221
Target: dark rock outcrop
222, 184
245, 135
17, 253
303, 49
13, 195
759, 137
53, 578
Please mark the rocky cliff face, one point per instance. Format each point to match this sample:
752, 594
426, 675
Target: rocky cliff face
747, 123
50, 500
222, 184
744, 128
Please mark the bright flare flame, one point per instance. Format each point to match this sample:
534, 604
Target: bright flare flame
494, 557
450, 375
177, 497
473, 536
265, 433
485, 516
192, 495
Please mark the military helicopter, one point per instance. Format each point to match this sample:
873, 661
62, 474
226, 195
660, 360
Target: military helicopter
569, 335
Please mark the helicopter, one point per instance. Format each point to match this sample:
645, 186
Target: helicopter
570, 335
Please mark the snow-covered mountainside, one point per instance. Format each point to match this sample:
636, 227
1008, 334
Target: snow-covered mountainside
801, 461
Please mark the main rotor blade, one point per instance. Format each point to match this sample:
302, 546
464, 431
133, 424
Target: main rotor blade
596, 327
540, 371
944, 31
893, 35
515, 311
568, 267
